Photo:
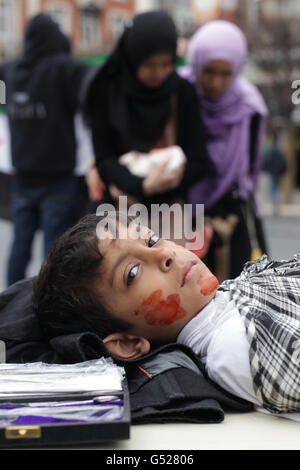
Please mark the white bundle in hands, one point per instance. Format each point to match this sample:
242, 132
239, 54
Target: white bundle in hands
142, 164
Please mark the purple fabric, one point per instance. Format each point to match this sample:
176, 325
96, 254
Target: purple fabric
32, 420
39, 420
227, 118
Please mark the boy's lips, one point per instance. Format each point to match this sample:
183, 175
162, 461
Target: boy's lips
187, 272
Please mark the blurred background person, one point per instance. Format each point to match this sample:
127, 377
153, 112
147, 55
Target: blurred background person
274, 164
138, 103
42, 95
234, 113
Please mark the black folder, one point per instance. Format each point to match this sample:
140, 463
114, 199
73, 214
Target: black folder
61, 433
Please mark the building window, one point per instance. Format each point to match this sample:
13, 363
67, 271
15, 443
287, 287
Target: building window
6, 18
290, 9
229, 5
8, 31
118, 21
61, 13
90, 29
205, 5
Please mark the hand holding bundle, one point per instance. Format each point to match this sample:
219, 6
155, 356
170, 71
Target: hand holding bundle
162, 168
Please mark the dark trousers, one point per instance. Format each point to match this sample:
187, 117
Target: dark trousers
50, 207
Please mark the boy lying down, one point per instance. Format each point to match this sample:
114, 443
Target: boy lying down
135, 293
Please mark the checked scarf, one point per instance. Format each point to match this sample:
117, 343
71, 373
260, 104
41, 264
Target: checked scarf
267, 295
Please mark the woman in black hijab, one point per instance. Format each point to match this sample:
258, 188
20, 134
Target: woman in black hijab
137, 102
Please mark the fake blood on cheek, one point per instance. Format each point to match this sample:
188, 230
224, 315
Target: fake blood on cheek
209, 285
160, 311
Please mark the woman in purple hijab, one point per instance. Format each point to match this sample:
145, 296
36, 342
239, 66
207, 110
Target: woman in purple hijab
234, 114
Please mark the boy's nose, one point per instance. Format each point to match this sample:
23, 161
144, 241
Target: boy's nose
165, 257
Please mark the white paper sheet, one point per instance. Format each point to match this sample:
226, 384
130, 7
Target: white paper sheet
101, 375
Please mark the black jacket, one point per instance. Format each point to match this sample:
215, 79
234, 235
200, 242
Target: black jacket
169, 384
109, 145
42, 96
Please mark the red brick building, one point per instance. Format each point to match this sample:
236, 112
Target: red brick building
93, 25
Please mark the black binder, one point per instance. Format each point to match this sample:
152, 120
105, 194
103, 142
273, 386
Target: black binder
67, 433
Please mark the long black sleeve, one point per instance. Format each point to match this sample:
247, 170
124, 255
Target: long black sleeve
254, 134
108, 147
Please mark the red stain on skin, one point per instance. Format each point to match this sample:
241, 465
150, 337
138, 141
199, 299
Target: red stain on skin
209, 285
208, 233
159, 311
199, 253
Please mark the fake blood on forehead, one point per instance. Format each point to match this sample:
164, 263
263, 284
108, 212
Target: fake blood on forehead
160, 311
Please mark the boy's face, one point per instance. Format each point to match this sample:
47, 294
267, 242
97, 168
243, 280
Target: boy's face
154, 284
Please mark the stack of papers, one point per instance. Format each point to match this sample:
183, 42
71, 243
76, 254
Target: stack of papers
34, 380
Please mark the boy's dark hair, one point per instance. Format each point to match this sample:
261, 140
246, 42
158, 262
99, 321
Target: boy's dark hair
65, 297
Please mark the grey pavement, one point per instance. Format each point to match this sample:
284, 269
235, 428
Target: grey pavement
282, 232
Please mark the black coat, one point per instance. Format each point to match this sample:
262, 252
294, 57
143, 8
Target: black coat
42, 97
179, 389
109, 144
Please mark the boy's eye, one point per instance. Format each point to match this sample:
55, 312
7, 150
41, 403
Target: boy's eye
152, 240
131, 275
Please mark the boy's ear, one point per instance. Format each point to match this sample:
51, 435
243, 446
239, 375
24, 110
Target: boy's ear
127, 346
